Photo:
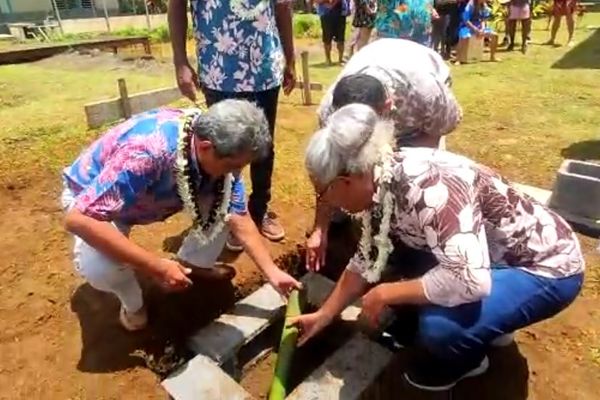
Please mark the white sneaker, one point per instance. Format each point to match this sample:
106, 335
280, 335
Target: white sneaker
133, 321
233, 244
504, 340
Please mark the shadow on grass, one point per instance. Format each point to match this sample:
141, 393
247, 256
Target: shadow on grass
324, 65
583, 151
585, 55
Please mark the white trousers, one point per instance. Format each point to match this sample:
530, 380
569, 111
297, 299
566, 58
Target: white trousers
109, 276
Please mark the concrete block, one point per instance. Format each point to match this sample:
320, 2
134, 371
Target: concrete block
576, 190
347, 374
318, 288
221, 339
201, 378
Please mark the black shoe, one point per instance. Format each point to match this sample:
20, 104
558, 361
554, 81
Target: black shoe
434, 378
510, 47
402, 331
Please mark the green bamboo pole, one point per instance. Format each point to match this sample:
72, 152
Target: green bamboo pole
287, 345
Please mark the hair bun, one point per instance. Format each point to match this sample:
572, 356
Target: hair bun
350, 127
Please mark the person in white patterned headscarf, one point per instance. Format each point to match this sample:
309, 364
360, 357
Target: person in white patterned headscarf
403, 81
503, 260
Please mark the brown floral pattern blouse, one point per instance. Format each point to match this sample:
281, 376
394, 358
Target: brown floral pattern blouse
470, 218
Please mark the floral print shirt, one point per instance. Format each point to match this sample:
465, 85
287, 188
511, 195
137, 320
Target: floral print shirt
128, 174
405, 19
418, 83
238, 44
471, 219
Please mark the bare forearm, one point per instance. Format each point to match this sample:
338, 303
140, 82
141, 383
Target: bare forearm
349, 288
405, 292
246, 232
178, 23
283, 19
323, 215
108, 240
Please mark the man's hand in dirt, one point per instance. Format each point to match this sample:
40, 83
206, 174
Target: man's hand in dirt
289, 78
309, 325
172, 276
187, 80
283, 282
316, 249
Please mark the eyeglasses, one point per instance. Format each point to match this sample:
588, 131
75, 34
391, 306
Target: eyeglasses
320, 194
323, 192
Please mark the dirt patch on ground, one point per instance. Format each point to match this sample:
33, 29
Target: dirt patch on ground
51, 318
78, 60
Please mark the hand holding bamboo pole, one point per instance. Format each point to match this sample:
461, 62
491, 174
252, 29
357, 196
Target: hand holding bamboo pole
287, 345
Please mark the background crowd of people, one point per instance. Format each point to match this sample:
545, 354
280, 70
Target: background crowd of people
444, 25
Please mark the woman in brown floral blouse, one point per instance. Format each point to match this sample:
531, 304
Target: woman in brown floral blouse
504, 261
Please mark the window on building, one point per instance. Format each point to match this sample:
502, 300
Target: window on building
72, 4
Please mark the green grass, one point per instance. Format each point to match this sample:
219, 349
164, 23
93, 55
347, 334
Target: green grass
42, 110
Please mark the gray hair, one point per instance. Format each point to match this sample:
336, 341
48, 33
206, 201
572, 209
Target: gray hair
350, 143
235, 127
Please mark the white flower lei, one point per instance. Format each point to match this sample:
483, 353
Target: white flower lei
382, 240
242, 10
204, 234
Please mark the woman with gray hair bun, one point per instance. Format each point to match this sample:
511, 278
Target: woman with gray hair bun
150, 167
412, 90
504, 261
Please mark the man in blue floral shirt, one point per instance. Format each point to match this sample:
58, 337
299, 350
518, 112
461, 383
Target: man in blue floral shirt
150, 167
245, 50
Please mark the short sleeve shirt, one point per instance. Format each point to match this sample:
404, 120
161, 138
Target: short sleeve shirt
238, 44
128, 174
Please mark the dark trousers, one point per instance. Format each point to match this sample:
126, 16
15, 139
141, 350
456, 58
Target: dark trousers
452, 13
438, 33
261, 171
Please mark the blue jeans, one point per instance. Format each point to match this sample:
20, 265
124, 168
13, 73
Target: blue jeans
461, 335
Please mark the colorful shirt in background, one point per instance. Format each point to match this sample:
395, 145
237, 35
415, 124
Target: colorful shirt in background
238, 44
469, 14
364, 13
405, 19
128, 174
343, 6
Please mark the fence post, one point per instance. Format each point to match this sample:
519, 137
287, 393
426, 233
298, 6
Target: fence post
125, 104
305, 78
106, 15
148, 22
